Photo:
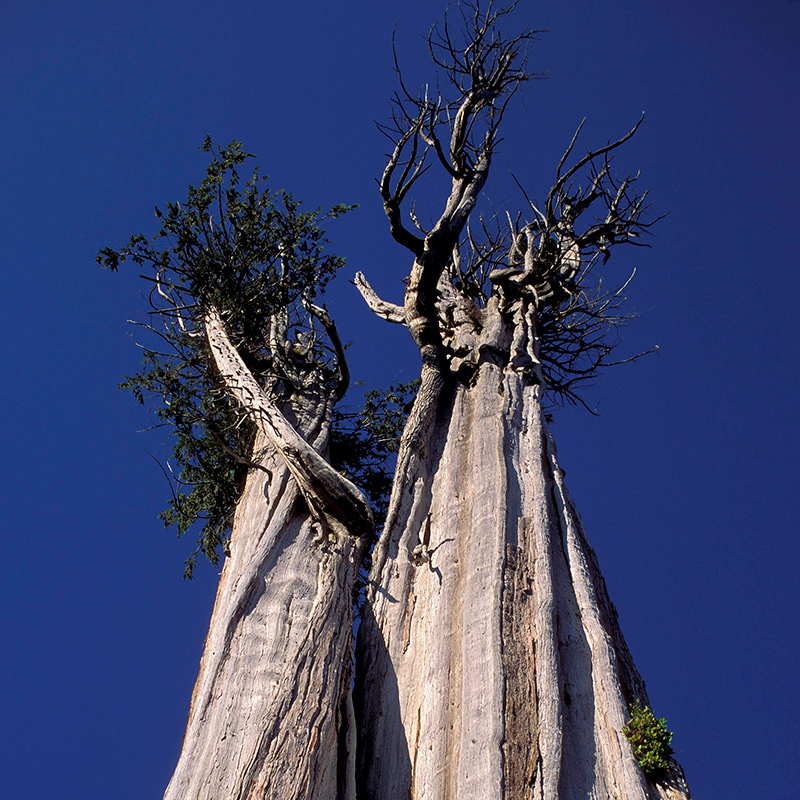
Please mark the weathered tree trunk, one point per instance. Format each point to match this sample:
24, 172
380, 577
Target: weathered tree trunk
271, 712
490, 663
267, 705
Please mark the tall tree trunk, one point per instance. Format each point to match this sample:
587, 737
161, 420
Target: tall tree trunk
490, 663
271, 712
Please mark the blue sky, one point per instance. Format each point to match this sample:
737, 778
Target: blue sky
686, 482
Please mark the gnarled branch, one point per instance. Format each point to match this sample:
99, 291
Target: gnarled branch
343, 382
326, 492
388, 311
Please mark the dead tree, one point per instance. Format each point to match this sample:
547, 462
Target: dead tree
489, 661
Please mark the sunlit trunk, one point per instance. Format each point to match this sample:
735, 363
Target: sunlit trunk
271, 712
268, 703
490, 663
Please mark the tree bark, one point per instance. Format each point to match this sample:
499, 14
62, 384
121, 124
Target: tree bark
271, 712
490, 663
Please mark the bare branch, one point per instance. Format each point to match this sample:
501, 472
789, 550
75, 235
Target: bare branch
245, 462
417, 224
482, 69
343, 383
589, 157
392, 197
388, 311
568, 151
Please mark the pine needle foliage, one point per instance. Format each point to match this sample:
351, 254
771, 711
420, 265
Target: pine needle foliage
254, 255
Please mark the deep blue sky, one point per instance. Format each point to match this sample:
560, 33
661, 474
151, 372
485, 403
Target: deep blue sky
687, 482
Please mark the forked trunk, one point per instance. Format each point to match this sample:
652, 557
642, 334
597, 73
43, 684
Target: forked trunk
490, 663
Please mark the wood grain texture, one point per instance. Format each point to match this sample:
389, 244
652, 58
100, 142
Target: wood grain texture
495, 667
271, 714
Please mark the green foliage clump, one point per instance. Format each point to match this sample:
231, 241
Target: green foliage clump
253, 255
244, 249
650, 740
205, 481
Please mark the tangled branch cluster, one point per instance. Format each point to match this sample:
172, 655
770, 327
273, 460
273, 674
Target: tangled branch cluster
548, 259
587, 212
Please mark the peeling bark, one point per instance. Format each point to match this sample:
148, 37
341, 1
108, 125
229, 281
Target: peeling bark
490, 663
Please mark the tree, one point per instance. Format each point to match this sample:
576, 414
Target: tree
246, 371
489, 661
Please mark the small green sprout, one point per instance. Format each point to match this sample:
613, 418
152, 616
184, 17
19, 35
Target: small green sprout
650, 740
